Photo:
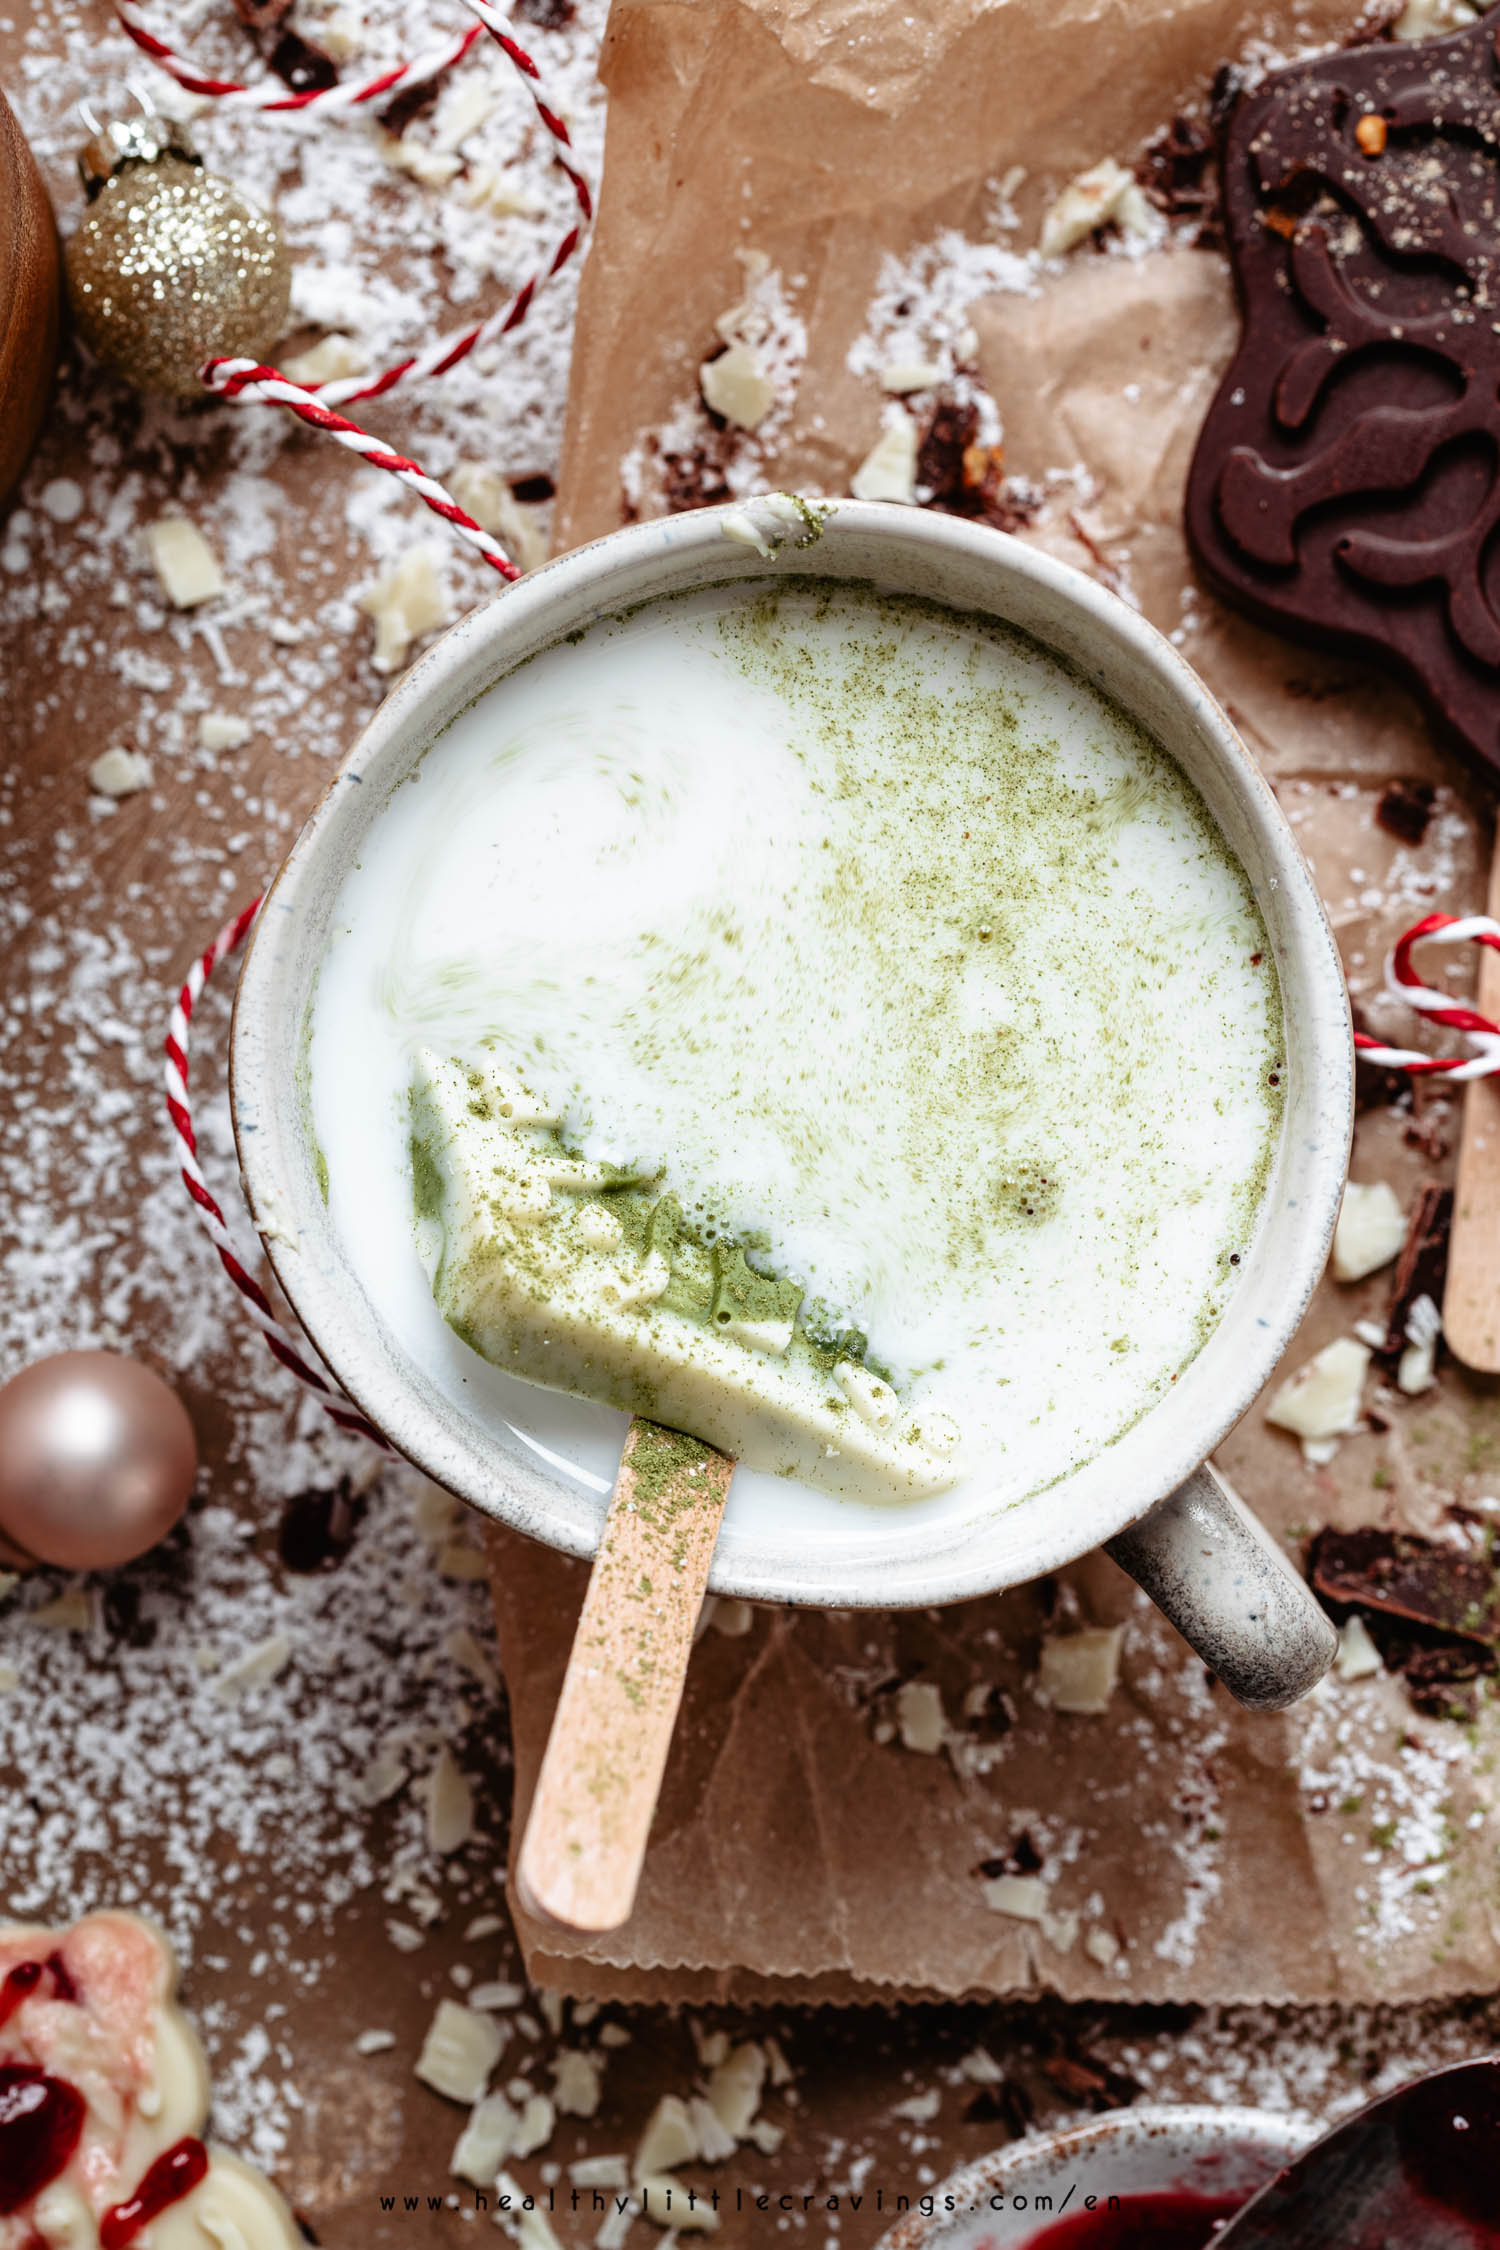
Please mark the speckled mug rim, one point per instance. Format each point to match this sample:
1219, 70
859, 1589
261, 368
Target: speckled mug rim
1190, 2132
904, 551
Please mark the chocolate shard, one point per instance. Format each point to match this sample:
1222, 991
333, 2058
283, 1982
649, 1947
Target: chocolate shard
1346, 484
1090, 2083
410, 102
1422, 1268
1441, 1681
1398, 1574
1405, 809
1007, 2104
318, 1528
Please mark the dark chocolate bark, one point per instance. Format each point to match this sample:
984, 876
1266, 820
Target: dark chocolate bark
1346, 484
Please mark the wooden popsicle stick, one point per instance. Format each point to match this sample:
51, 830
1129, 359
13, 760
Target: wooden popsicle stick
1471, 1298
580, 1859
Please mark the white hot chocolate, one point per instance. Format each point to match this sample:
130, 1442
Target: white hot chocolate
877, 946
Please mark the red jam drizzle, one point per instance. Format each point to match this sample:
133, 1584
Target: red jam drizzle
19, 1985
170, 2178
21, 1981
1143, 2222
41, 2121
62, 1979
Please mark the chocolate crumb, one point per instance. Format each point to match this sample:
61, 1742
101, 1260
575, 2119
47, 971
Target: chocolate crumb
408, 103
1405, 809
1023, 1858
1442, 1682
533, 489
547, 15
1226, 89
302, 66
318, 1528
960, 476
1422, 1267
692, 480
1432, 1114
1180, 176
1006, 2104
121, 1610
263, 15
994, 1719
1091, 2084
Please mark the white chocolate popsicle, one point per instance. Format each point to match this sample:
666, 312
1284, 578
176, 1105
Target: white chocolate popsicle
572, 1274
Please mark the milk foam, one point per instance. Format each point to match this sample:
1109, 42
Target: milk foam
902, 951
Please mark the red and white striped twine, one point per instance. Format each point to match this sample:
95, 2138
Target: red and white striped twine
1403, 983
278, 1340
447, 351
243, 379
246, 378
271, 95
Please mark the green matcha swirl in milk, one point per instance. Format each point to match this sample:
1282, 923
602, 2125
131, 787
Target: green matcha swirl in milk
871, 944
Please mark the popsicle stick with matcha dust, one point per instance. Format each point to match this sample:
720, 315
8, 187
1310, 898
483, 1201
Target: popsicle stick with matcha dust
585, 1839
588, 1278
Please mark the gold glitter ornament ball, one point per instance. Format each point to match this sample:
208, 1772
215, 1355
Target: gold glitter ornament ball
170, 265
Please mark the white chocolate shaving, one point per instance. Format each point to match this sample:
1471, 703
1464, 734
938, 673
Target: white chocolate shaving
1358, 1657
1079, 1671
577, 2083
1022, 1897
450, 1805
1370, 1230
1321, 1402
1105, 191
252, 1670
218, 730
184, 562
668, 2139
406, 602
326, 361
120, 773
734, 2090
904, 376
920, 1719
462, 2047
737, 386
487, 496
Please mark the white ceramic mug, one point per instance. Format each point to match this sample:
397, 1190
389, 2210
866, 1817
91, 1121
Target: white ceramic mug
1004, 2201
1148, 1496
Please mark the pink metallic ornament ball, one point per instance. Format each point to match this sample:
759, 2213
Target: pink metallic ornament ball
97, 1460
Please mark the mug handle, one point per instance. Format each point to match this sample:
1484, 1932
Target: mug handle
1220, 1577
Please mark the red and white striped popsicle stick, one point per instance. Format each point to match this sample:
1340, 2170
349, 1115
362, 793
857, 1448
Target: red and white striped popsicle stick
270, 95
278, 1340
1403, 983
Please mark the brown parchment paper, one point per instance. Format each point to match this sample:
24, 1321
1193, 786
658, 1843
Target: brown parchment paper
802, 1849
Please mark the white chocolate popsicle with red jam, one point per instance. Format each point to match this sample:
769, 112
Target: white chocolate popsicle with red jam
103, 2097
